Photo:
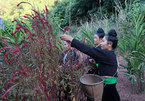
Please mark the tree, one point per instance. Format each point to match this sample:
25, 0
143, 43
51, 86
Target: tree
9, 9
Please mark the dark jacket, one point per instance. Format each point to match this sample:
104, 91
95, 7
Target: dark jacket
106, 59
93, 67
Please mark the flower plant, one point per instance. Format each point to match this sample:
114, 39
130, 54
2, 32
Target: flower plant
31, 69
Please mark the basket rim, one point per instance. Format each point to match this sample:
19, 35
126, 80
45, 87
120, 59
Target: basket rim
91, 84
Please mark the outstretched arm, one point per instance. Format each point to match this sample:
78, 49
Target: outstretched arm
66, 37
93, 52
75, 43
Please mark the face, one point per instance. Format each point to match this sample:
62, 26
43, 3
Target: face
104, 44
66, 45
97, 40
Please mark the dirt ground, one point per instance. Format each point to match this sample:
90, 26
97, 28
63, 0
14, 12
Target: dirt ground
124, 89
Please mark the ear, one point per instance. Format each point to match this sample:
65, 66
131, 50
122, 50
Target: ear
110, 43
101, 39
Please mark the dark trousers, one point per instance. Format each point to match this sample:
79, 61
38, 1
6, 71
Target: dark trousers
110, 93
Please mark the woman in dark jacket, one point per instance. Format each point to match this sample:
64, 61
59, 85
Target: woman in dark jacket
107, 61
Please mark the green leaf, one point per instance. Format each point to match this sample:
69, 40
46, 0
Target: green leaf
124, 72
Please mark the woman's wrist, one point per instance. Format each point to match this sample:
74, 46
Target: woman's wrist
70, 39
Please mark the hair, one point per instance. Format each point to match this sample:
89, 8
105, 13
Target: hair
100, 33
112, 36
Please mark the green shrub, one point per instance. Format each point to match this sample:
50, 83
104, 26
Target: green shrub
132, 44
76, 11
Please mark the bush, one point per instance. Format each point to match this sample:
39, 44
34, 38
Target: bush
76, 11
33, 65
132, 45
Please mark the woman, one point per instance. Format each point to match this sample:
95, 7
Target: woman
98, 37
68, 59
68, 54
107, 61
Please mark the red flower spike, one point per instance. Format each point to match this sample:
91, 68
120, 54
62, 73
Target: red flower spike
23, 2
24, 44
35, 11
54, 46
31, 34
27, 14
7, 84
77, 63
16, 31
59, 41
27, 68
66, 29
34, 17
46, 9
50, 43
57, 52
14, 20
4, 56
18, 4
2, 37
7, 92
13, 76
24, 72
19, 70
15, 51
46, 21
19, 27
41, 19
26, 17
42, 15
1, 49
22, 22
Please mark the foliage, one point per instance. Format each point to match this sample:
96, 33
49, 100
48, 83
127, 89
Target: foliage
87, 30
132, 44
76, 11
134, 7
8, 31
9, 10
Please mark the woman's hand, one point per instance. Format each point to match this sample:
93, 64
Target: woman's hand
66, 37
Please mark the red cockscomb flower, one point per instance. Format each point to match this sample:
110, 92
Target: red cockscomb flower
14, 20
19, 27
34, 17
26, 17
66, 29
59, 41
31, 34
15, 51
16, 31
